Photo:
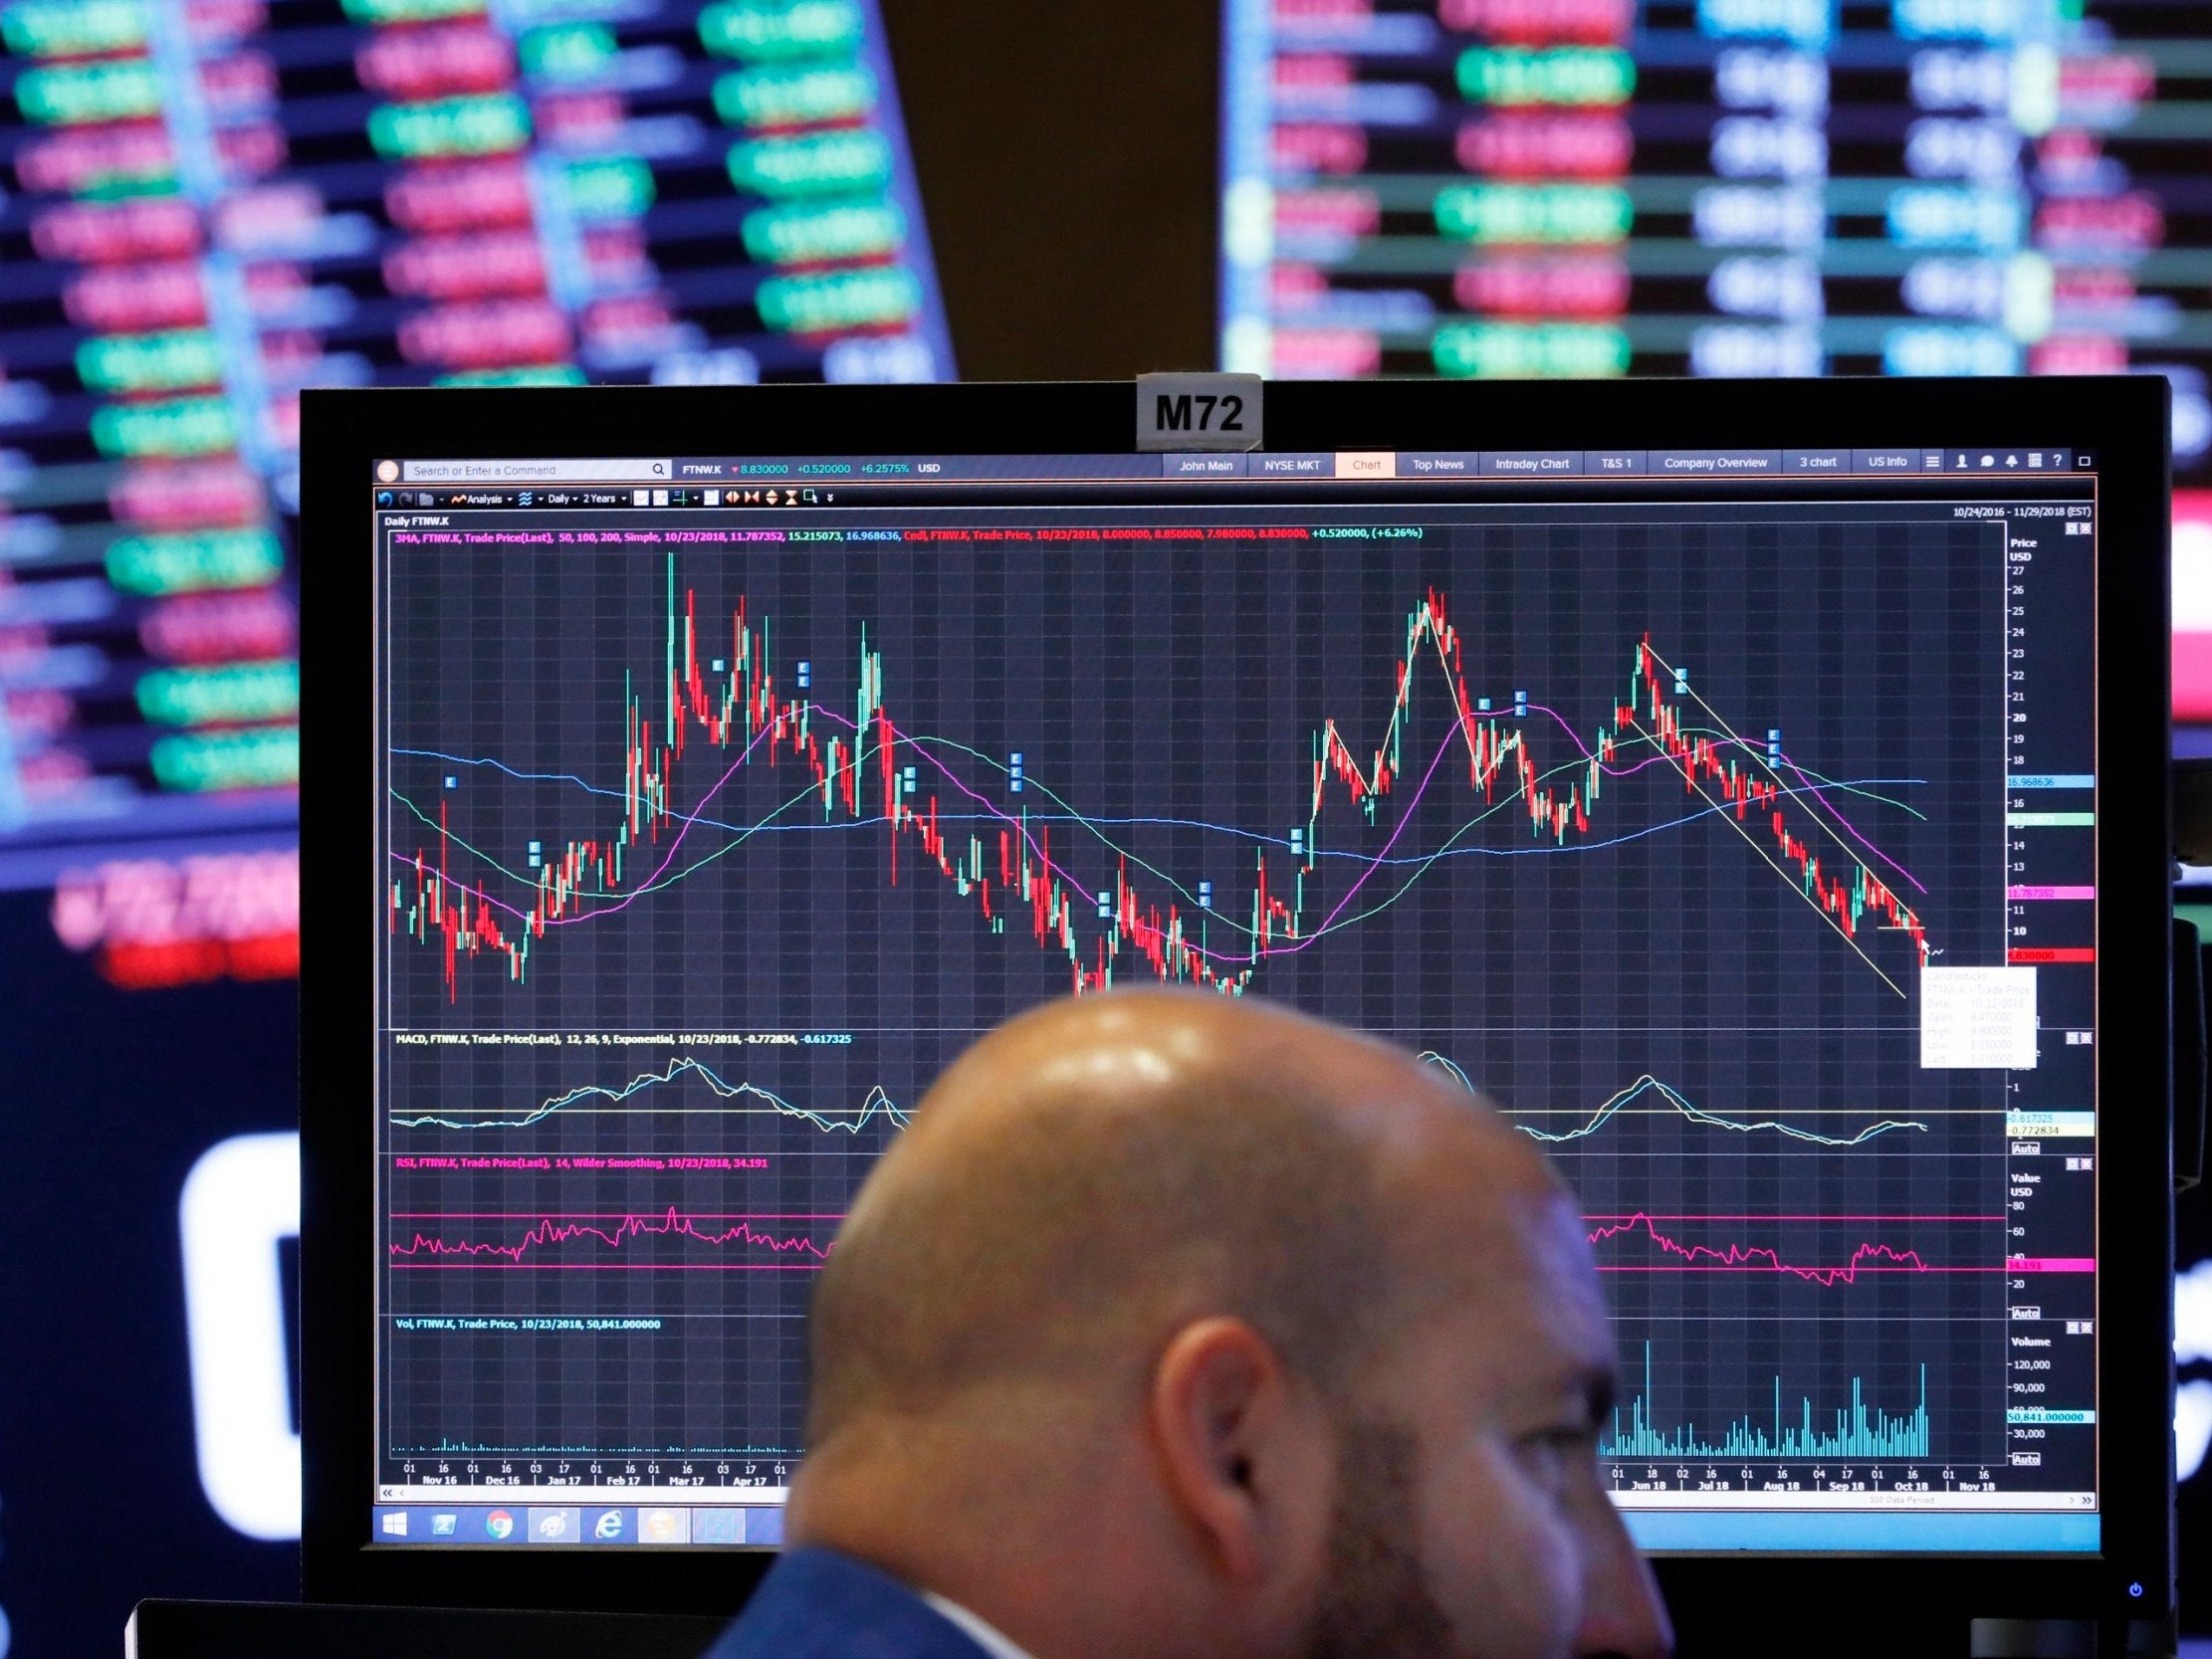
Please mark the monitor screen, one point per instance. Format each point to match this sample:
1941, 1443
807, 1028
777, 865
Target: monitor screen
211, 205
1728, 816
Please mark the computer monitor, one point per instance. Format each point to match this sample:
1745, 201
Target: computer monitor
1758, 791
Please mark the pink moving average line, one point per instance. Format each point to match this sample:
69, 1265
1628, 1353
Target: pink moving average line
1804, 777
1652, 1215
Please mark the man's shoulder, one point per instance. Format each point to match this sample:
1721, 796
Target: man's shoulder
819, 1604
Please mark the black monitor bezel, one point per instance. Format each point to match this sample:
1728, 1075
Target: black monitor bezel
2120, 420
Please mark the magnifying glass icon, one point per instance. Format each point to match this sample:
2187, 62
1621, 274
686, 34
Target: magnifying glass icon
660, 469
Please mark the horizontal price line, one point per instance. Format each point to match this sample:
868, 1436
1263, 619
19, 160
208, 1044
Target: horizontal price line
1652, 1215
595, 1215
604, 1267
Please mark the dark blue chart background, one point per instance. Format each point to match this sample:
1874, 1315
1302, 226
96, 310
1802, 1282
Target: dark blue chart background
1167, 696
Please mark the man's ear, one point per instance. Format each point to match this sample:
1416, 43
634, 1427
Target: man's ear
1245, 1447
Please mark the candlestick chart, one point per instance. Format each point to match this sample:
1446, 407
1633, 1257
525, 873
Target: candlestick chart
854, 767
684, 906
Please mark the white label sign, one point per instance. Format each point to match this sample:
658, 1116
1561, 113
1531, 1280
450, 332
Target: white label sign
1199, 412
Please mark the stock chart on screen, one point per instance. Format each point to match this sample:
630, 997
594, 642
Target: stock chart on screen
1724, 840
208, 205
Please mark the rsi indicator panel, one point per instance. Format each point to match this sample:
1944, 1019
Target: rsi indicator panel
212, 204
1735, 835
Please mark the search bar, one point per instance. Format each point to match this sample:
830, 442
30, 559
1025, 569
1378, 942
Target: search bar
531, 472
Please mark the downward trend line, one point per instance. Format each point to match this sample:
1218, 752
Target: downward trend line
877, 1105
1821, 905
1867, 1258
1650, 1084
1810, 783
1850, 828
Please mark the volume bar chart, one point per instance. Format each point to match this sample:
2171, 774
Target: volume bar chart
1855, 1431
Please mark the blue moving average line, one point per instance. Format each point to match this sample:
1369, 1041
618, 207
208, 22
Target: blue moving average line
769, 827
1648, 1083
878, 1104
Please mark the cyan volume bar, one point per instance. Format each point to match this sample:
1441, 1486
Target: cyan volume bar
1717, 463
1203, 466
1814, 461
1532, 463
1615, 463
1458, 463
1293, 466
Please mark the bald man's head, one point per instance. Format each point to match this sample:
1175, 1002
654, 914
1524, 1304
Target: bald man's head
1090, 1176
1182, 1326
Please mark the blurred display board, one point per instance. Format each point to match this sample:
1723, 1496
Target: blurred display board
207, 205
1494, 188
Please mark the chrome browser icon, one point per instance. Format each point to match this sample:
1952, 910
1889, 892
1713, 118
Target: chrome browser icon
500, 1523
